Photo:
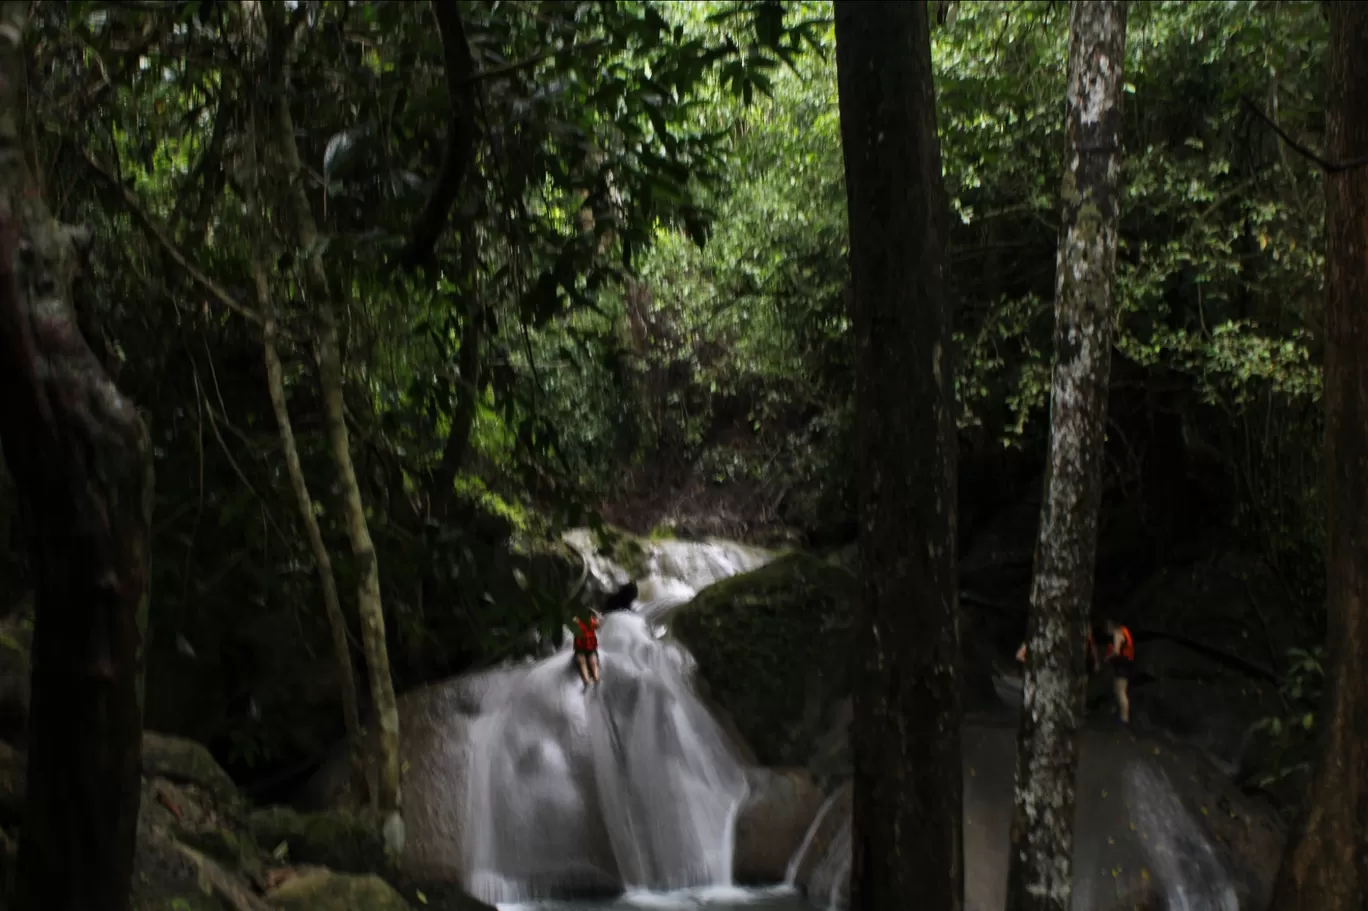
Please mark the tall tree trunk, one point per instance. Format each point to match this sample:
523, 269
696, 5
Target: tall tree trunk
369, 604
1039, 874
327, 582
907, 850
82, 460
1326, 867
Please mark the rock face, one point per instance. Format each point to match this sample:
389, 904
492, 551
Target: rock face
1140, 801
772, 823
773, 650
199, 850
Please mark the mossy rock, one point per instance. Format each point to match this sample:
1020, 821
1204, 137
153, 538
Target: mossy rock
774, 651
623, 548
346, 840
186, 762
323, 890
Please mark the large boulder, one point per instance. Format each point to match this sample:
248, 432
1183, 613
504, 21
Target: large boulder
1152, 816
771, 824
773, 650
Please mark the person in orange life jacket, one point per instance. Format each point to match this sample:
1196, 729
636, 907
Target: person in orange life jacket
1121, 657
586, 649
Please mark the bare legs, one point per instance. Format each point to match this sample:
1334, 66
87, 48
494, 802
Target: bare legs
588, 666
1122, 689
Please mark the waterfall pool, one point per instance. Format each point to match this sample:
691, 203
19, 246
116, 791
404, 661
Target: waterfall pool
711, 898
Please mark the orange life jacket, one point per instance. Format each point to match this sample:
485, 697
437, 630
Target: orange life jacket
587, 640
1127, 645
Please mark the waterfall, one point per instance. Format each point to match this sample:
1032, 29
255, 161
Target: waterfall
1193, 878
629, 785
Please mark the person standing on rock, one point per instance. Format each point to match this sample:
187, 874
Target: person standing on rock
586, 649
1121, 657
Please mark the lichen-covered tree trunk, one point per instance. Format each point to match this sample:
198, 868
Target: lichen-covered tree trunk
332, 604
1039, 874
82, 460
1326, 866
369, 604
907, 847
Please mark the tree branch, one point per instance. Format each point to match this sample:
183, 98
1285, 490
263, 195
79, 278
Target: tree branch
461, 138
1329, 167
158, 233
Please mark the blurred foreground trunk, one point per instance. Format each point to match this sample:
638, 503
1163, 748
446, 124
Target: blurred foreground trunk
1326, 867
905, 736
81, 457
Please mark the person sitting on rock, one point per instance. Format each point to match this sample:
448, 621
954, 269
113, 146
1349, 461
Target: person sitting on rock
1121, 657
586, 649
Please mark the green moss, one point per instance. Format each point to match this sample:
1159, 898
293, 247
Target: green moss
323, 890
773, 648
342, 840
186, 762
624, 549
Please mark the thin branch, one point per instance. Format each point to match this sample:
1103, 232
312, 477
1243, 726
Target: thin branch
131, 202
1329, 167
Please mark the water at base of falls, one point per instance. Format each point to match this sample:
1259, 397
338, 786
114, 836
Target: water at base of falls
710, 898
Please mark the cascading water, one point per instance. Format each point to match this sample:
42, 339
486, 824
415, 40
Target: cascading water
630, 784
1192, 877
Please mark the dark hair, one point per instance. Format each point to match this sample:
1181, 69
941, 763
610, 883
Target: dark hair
621, 599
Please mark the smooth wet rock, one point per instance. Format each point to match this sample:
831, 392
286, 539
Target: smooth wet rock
773, 649
770, 827
318, 889
1140, 801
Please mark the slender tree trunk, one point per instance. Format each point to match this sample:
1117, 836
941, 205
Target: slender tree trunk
82, 460
907, 850
369, 604
1326, 867
1061, 594
332, 605
471, 386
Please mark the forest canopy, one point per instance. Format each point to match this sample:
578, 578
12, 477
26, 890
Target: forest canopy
589, 263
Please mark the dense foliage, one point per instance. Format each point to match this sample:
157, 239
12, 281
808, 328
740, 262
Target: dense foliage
633, 300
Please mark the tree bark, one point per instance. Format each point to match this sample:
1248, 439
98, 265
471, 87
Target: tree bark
1326, 866
332, 604
387, 797
907, 849
81, 457
1039, 866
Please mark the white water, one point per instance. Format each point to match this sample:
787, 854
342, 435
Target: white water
631, 785
1193, 878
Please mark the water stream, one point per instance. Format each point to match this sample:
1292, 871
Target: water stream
626, 795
